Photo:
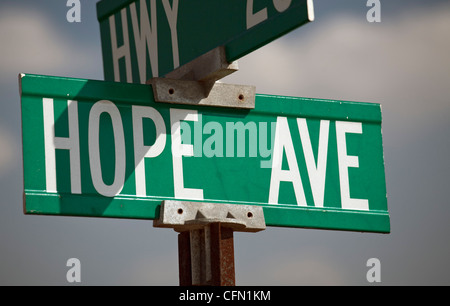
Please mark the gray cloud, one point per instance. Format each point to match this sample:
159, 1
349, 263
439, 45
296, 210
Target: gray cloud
401, 63
7, 148
31, 43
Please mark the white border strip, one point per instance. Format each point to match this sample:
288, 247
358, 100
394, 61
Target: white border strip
310, 5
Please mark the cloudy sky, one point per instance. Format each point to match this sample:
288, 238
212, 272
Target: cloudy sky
402, 63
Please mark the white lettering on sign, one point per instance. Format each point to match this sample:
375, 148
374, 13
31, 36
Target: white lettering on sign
283, 143
316, 171
97, 110
254, 18
315, 158
111, 109
172, 16
71, 143
147, 38
346, 161
282, 5
122, 51
140, 150
145, 33
179, 150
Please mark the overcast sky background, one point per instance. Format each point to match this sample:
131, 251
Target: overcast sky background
402, 63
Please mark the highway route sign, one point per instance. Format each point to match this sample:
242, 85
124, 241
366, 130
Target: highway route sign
142, 39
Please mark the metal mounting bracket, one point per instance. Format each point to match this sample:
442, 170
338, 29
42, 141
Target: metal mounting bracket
196, 83
200, 93
184, 216
209, 67
205, 239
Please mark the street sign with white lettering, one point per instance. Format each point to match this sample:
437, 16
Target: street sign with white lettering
142, 39
106, 149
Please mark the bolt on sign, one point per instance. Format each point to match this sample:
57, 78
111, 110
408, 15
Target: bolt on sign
142, 39
106, 149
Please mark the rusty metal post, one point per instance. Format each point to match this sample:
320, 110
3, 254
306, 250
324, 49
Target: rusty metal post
206, 256
184, 259
222, 256
205, 239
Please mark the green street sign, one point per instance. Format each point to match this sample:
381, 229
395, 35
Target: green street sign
142, 39
107, 149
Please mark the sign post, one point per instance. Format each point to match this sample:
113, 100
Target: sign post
105, 149
205, 240
192, 154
